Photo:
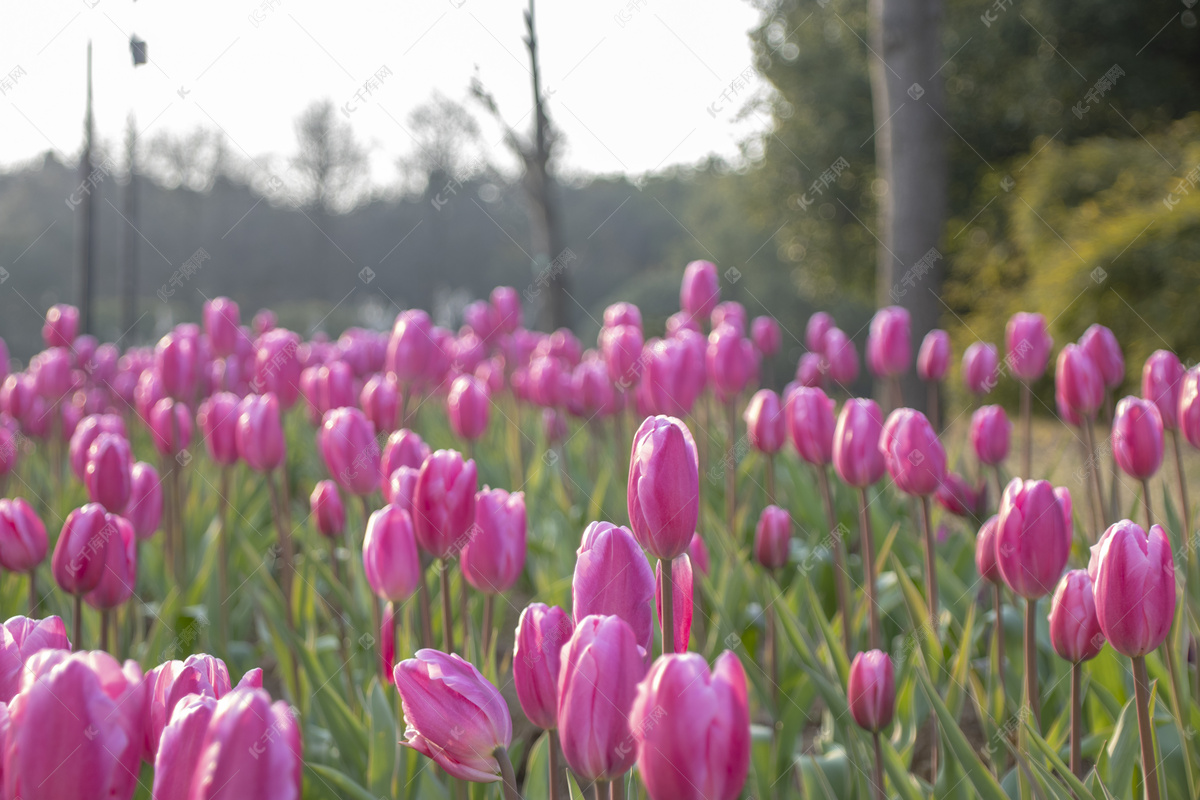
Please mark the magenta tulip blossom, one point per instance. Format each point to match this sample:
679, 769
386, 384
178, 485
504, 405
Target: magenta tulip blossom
80, 555
872, 690
222, 323
979, 364
1074, 628
327, 508
1137, 437
217, 419
1032, 544
856, 455
766, 335
889, 344
403, 449
1189, 406
985, 551
444, 503
61, 326
1102, 345
170, 426
108, 475
350, 450
682, 607
664, 487
23, 541
612, 576
494, 555
120, 568
85, 433
541, 633
1162, 379
766, 424
145, 508
990, 433
912, 452
818, 325
840, 357
390, 558
1133, 577
811, 424
700, 290
1028, 345
698, 554
381, 400
773, 538
933, 359
1079, 381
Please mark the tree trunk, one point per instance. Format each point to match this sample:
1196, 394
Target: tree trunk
910, 156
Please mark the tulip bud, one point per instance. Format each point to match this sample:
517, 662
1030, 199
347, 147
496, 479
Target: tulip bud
277, 366
1189, 406
731, 361
381, 401
959, 497
912, 452
494, 554
119, 569
20, 638
1028, 345
390, 558
108, 473
765, 422
454, 716
811, 425
171, 426
177, 362
698, 554
700, 290
444, 503
766, 335
840, 357
468, 407
612, 576
401, 487
773, 538
990, 433
145, 507
1078, 380
222, 323
23, 542
350, 450
541, 633
664, 487
1133, 577
810, 370
61, 326
1137, 437
621, 347
933, 360
856, 454
682, 605
1162, 378
403, 449
81, 552
681, 321
1074, 630
872, 690
1102, 346
889, 344
506, 303
985, 551
692, 728
85, 433
815, 330
259, 433
1031, 541
217, 419
601, 668
326, 505
408, 351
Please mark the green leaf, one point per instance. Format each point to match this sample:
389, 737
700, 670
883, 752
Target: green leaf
340, 785
381, 753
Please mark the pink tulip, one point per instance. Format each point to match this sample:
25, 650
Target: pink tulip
682, 605
23, 542
264, 321
259, 433
1137, 437
731, 361
1028, 345
985, 551
810, 370
1133, 578
277, 366
20, 638
327, 508
409, 349
401, 487
444, 503
622, 313
912, 452
601, 668
145, 507
692, 728
621, 347
171, 682
612, 576
933, 359
222, 323
350, 450
1189, 406
592, 388
664, 487
336, 384
680, 321
1079, 380
698, 554
217, 419
1032, 544
840, 357
480, 317
241, 745
773, 538
177, 362
700, 290
549, 382
541, 633
403, 449
871, 690
990, 433
468, 407
1074, 630
52, 374
390, 558
889, 344
61, 326
494, 554
1102, 346
108, 475
454, 716
1162, 379
979, 364
811, 425
815, 330
120, 568
381, 401
766, 335
766, 424
85, 433
856, 454
959, 497
507, 306
147, 393
170, 426
80, 555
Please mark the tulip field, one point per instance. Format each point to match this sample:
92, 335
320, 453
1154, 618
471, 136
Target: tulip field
491, 562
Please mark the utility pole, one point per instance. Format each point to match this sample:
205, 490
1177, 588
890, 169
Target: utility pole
87, 209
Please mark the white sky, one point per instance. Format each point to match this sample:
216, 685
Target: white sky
637, 84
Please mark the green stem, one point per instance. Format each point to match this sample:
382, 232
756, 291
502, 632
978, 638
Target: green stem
839, 561
1141, 684
1076, 720
508, 777
1146, 504
668, 606
878, 775
1027, 426
868, 548
447, 610
1031, 683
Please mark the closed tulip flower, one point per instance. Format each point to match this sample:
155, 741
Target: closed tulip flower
120, 568
766, 425
731, 361
700, 290
381, 400
277, 366
327, 508
350, 450
612, 576
959, 497
889, 344
979, 365
145, 507
402, 449
10, 450
810, 370
20, 638
621, 348
81, 552
401, 487
681, 321
872, 690
1137, 437
933, 359
52, 374
444, 502
453, 715
1189, 406
1028, 345
494, 555
766, 335
146, 394
664, 487
259, 433
222, 323
85, 433
506, 303
1074, 629
1162, 378
912, 452
468, 407
23, 542
811, 425
390, 559
1079, 380
985, 551
682, 606
698, 554
177, 361
217, 419
990, 434
336, 385
61, 325
541, 633
170, 426
856, 455
108, 475
773, 538
172, 681
1102, 346
692, 728
815, 330
841, 358
408, 350
593, 389
601, 668
1031, 541
1133, 577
